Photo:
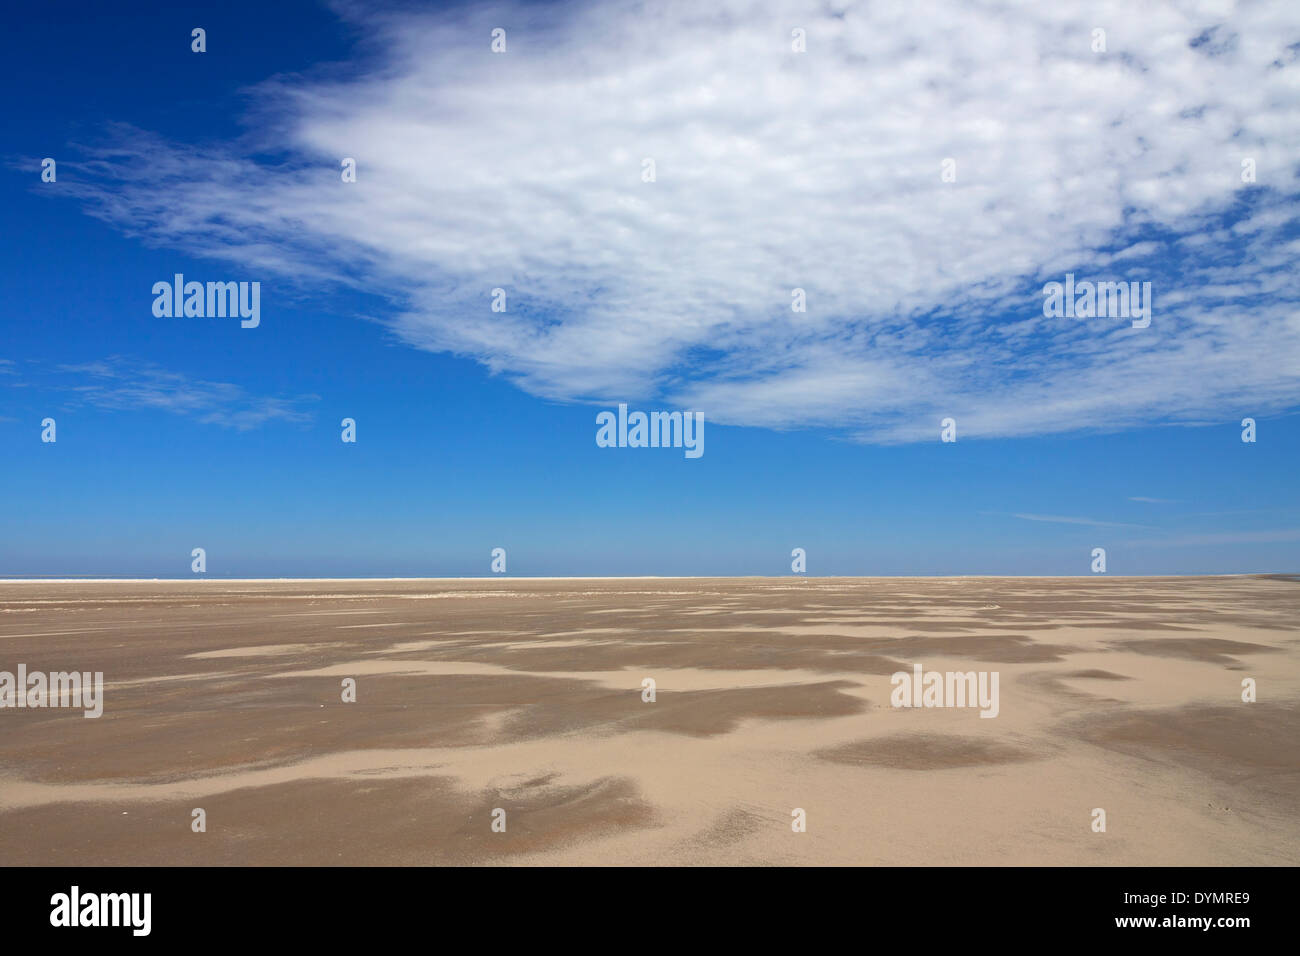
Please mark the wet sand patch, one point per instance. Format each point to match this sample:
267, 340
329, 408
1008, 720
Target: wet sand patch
729, 828
1209, 650
926, 752
402, 822
1228, 739
1254, 747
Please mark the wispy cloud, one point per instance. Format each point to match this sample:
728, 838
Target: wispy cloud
777, 170
1064, 519
120, 383
1154, 501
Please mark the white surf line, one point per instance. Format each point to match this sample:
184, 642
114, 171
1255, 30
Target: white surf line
349, 627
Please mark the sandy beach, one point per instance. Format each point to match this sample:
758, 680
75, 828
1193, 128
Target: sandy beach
771, 695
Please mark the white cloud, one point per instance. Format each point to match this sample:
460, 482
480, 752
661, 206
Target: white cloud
778, 170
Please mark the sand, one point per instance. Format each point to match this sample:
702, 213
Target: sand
771, 694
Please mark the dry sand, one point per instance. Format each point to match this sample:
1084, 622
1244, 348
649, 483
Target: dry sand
772, 694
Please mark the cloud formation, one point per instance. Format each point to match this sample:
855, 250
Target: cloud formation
777, 170
119, 383
1067, 519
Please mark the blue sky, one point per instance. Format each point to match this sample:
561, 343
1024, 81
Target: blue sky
774, 170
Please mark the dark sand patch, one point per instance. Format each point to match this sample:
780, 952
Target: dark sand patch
708, 650
711, 712
925, 752
697, 713
406, 822
1056, 683
1255, 747
152, 736
728, 829
995, 648
1209, 650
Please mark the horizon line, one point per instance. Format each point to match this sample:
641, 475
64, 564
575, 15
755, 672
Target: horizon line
89, 579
